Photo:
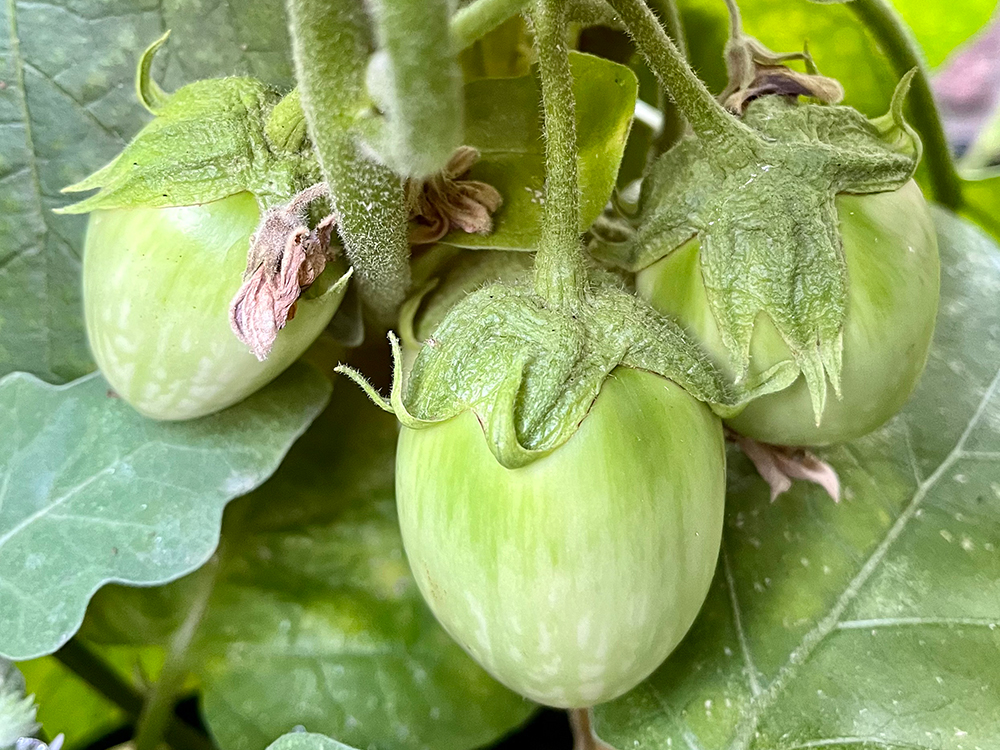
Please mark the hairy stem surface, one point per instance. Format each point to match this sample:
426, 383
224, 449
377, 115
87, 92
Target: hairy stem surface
560, 274
707, 117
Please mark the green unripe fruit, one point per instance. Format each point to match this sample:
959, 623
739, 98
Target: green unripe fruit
157, 284
572, 578
893, 269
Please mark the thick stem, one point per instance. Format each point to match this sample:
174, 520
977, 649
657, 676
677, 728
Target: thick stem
422, 83
158, 710
475, 21
331, 46
673, 121
707, 117
93, 670
560, 274
892, 35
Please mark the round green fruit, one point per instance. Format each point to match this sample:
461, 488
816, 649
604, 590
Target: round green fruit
570, 579
157, 284
893, 269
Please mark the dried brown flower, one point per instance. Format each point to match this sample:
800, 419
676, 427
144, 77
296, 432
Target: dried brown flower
449, 200
285, 258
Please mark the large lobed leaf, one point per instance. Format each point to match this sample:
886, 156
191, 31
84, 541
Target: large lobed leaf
67, 107
503, 122
92, 492
876, 622
315, 619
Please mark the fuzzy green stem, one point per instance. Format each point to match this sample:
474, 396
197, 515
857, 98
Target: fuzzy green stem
560, 274
93, 670
707, 117
673, 121
158, 710
476, 20
331, 45
895, 39
418, 71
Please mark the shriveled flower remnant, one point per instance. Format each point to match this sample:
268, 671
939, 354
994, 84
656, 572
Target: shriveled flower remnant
285, 258
449, 200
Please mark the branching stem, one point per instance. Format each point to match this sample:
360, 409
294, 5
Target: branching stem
895, 39
159, 706
93, 670
560, 275
707, 117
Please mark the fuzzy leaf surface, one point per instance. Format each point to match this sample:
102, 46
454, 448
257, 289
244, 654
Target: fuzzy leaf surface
315, 620
875, 622
503, 122
92, 492
67, 107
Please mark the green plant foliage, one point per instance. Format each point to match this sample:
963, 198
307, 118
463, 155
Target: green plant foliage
91, 487
67, 107
839, 44
315, 620
502, 122
72, 706
875, 622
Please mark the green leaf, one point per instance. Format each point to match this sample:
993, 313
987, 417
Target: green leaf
315, 619
17, 711
91, 492
838, 43
875, 622
306, 741
503, 122
67, 107
982, 198
71, 706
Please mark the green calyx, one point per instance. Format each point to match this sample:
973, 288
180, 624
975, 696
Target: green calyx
556, 359
760, 198
209, 140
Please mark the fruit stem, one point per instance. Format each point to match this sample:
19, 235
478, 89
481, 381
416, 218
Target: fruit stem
476, 20
422, 81
895, 39
331, 45
159, 706
673, 121
707, 117
560, 274
93, 670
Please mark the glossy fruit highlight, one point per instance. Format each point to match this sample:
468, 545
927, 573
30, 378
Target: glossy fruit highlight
570, 579
157, 283
893, 271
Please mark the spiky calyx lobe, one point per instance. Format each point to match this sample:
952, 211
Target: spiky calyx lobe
208, 140
764, 212
893, 270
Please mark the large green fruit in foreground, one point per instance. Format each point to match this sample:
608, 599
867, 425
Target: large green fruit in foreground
157, 283
570, 579
890, 248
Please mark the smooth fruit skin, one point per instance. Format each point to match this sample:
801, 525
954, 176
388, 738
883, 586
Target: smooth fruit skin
157, 283
894, 283
571, 579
